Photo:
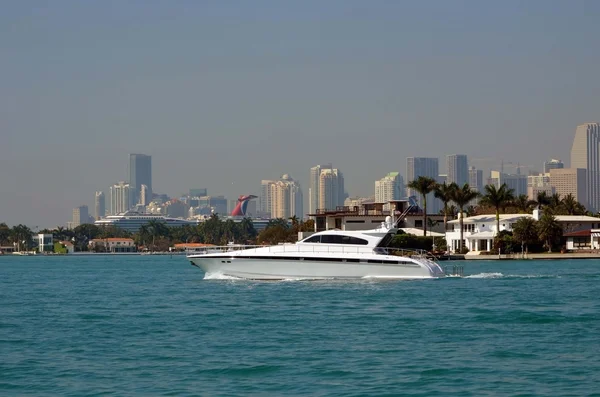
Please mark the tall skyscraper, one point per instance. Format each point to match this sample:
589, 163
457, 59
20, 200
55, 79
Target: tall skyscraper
552, 165
585, 154
80, 216
296, 196
476, 179
120, 198
570, 181
390, 187
458, 169
99, 205
423, 166
314, 185
265, 196
140, 173
282, 198
331, 189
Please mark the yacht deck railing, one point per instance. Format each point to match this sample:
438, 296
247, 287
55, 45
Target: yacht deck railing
317, 248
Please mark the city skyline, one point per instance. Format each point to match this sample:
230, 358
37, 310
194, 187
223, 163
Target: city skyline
281, 88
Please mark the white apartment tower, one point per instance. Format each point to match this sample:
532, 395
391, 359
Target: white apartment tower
99, 205
265, 196
144, 195
120, 198
423, 166
282, 198
296, 196
390, 187
331, 189
585, 153
313, 188
458, 169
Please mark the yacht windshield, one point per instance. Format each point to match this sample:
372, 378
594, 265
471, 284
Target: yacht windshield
386, 240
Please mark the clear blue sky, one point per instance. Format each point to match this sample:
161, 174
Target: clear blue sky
224, 94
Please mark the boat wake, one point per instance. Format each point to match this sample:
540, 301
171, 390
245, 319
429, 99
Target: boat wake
510, 276
220, 276
485, 275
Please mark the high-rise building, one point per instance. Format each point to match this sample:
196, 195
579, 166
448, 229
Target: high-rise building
120, 198
281, 198
208, 205
537, 184
313, 188
458, 169
390, 187
331, 189
567, 181
140, 173
476, 179
296, 196
198, 192
585, 153
80, 216
516, 182
552, 165
144, 199
99, 205
265, 199
428, 167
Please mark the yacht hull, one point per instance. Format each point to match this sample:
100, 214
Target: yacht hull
284, 268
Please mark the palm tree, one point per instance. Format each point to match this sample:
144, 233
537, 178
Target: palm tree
157, 229
523, 204
554, 202
471, 210
424, 185
542, 199
463, 196
497, 198
548, 229
4, 233
525, 231
572, 206
444, 193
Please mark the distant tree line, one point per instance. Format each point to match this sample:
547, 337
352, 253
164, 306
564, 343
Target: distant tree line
157, 236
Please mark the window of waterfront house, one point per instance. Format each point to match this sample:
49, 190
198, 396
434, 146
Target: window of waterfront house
418, 223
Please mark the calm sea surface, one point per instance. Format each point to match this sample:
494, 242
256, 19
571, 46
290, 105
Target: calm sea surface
141, 325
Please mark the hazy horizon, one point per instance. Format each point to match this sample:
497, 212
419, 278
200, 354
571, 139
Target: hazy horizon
222, 95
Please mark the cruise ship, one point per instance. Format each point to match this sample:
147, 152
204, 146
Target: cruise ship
132, 221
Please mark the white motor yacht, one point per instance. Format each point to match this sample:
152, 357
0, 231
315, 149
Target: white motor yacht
323, 255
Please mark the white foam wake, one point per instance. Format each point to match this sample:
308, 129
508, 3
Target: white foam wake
485, 275
219, 276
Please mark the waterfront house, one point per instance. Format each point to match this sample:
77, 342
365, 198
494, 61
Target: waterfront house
479, 231
113, 244
370, 215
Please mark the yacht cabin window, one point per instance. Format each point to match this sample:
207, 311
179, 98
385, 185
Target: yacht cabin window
336, 239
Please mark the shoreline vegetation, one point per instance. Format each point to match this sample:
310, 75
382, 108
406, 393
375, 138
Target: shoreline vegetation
528, 237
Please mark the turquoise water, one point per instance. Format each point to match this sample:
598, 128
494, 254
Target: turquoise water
137, 326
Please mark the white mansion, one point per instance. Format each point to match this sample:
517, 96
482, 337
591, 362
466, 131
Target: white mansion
479, 231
